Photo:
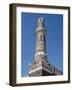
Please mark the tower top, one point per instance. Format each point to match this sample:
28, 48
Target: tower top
40, 24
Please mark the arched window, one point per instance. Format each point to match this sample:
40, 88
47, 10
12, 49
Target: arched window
40, 37
44, 38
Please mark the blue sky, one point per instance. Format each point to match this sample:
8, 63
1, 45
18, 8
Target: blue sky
54, 39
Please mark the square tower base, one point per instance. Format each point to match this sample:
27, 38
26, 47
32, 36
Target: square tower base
40, 69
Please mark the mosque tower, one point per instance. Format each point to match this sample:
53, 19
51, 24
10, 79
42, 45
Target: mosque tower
40, 66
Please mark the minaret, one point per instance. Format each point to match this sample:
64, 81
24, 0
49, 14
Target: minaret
40, 42
40, 66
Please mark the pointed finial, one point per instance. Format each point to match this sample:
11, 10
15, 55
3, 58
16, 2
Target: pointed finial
41, 22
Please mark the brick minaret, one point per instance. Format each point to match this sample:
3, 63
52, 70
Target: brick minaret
40, 42
41, 67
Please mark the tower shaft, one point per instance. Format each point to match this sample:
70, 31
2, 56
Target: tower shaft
40, 42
